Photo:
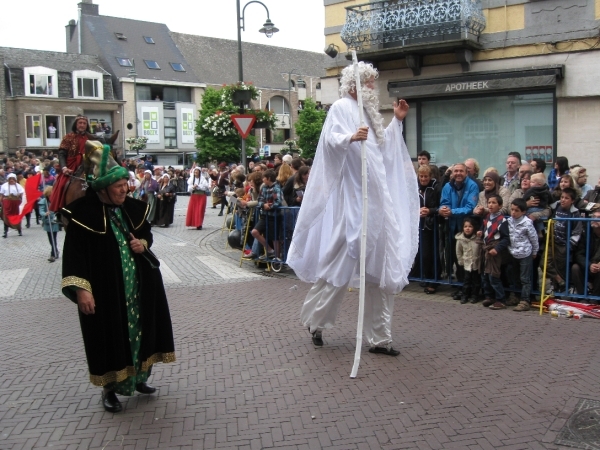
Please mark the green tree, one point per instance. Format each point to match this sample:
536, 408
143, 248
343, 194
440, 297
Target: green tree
308, 128
217, 139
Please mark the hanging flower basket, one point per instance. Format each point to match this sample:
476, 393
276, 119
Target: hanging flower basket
241, 96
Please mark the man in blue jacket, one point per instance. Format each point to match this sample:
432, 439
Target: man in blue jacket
459, 197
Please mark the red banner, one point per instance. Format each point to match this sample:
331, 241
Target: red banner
32, 193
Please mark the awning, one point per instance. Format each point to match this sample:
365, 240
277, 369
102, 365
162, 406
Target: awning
478, 83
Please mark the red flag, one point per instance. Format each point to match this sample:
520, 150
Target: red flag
32, 193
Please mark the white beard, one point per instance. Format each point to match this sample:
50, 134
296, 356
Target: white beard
371, 105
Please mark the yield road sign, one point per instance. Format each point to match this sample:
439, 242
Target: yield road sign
243, 123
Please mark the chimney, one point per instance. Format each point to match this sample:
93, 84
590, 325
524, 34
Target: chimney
88, 8
70, 31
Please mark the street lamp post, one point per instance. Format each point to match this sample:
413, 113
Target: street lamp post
133, 74
289, 74
268, 29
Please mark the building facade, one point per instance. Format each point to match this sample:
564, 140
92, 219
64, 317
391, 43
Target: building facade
483, 77
43, 92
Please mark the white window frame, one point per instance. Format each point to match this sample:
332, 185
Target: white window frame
89, 74
40, 71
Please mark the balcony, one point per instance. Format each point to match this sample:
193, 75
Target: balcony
390, 29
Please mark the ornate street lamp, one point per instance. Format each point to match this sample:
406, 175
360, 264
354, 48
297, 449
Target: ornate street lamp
268, 29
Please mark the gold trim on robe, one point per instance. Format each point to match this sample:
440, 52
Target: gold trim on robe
77, 282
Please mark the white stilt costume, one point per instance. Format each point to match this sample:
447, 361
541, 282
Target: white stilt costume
325, 249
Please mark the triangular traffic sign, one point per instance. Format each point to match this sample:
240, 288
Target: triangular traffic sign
243, 123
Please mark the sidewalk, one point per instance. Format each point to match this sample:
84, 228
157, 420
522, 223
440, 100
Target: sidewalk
248, 376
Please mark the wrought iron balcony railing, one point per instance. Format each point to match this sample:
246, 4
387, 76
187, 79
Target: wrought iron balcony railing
401, 23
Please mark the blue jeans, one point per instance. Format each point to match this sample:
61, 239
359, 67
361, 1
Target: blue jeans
523, 281
491, 286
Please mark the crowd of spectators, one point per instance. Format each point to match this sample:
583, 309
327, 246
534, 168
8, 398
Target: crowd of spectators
488, 230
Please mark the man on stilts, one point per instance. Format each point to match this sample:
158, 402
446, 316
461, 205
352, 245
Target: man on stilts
325, 249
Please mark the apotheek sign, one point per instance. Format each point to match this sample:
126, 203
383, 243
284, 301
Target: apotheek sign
476, 83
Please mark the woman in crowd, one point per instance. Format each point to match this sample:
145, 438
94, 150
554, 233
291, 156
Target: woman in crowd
166, 198
300, 180
221, 181
580, 175
49, 223
561, 167
11, 195
198, 187
491, 186
426, 260
285, 172
134, 185
147, 193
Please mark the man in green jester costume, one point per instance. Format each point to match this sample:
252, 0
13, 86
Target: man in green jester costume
109, 272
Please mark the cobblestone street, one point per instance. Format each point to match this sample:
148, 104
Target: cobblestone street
248, 377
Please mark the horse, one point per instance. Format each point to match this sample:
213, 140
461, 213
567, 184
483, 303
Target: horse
93, 154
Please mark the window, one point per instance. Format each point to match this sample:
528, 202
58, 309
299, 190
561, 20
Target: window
152, 64
278, 105
87, 84
177, 67
124, 62
87, 87
53, 126
487, 128
41, 80
170, 132
40, 84
33, 128
148, 40
121, 36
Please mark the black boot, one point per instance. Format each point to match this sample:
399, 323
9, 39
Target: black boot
464, 299
110, 402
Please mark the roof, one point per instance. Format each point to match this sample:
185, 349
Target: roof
214, 61
18, 58
164, 51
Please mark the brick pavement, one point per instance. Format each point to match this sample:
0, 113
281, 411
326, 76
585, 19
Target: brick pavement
248, 376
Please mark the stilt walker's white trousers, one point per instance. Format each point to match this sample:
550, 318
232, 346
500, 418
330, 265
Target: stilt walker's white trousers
323, 302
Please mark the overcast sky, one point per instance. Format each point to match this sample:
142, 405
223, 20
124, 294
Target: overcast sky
40, 25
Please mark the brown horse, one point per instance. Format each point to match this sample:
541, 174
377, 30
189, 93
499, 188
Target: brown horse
93, 154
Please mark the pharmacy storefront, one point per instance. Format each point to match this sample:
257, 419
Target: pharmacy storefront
482, 115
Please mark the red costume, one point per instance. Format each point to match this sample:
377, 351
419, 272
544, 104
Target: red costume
70, 153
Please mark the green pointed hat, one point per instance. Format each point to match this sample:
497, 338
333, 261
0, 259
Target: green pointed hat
109, 172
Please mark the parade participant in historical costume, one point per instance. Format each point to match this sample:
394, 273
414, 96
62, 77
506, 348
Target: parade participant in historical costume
70, 156
166, 199
222, 181
147, 193
11, 195
109, 271
198, 187
331, 214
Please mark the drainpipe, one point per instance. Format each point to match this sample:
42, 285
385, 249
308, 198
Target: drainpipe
79, 31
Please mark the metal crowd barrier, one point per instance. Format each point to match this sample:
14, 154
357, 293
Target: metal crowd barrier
549, 247
284, 221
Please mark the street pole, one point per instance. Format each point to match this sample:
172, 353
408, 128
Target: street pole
268, 29
293, 72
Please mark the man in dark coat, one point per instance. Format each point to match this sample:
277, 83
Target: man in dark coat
115, 281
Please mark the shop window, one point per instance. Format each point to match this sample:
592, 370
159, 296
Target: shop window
487, 128
170, 132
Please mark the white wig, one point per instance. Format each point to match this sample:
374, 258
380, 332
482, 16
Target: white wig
348, 83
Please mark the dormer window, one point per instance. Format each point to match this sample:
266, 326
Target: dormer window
121, 36
152, 64
87, 84
40, 81
148, 40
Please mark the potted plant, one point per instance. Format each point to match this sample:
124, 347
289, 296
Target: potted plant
240, 92
264, 119
137, 143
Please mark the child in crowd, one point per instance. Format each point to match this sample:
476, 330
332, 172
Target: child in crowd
523, 248
468, 255
495, 241
557, 251
540, 191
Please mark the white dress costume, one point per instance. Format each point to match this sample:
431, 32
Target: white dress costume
325, 248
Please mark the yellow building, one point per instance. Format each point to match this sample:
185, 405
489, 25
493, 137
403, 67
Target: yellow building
483, 77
